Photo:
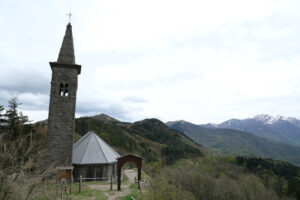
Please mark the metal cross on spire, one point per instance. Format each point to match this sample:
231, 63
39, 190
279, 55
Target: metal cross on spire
70, 15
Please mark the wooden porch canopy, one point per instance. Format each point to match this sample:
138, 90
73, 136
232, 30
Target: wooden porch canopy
129, 158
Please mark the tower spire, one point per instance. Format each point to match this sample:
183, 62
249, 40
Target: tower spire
66, 53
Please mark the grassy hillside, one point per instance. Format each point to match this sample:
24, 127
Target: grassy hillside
149, 138
234, 142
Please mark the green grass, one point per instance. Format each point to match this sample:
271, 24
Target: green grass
133, 186
96, 194
128, 196
86, 193
134, 192
51, 190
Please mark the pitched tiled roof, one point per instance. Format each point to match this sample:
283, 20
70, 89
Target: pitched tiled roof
91, 149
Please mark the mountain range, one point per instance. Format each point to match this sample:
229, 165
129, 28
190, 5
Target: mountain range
259, 136
279, 128
262, 136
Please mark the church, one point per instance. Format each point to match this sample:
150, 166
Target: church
90, 156
94, 158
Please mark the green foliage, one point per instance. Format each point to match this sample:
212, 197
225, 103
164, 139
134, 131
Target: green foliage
13, 121
174, 152
175, 146
112, 134
134, 192
13, 118
238, 143
147, 152
213, 178
154, 130
149, 138
287, 176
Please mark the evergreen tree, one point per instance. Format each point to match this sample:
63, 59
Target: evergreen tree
3, 121
15, 120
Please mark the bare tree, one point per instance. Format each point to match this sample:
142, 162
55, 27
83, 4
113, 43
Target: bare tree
22, 169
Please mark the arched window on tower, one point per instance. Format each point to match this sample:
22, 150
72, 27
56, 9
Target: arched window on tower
64, 89
66, 92
61, 89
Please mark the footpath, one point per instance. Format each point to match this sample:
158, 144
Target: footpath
115, 194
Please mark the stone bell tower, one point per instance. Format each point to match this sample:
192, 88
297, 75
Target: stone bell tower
61, 120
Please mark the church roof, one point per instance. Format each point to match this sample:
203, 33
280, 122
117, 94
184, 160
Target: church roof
66, 53
91, 149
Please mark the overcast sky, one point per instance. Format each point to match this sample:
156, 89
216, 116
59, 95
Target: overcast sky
200, 61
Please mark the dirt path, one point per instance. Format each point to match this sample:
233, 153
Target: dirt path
115, 194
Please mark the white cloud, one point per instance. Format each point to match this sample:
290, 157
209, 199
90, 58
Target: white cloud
202, 61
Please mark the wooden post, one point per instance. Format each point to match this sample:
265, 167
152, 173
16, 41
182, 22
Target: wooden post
111, 183
61, 189
71, 184
119, 178
57, 189
139, 177
80, 183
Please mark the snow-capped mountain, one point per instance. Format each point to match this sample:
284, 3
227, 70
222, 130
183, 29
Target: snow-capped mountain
267, 119
279, 128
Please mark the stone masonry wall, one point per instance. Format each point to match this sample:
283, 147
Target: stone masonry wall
61, 120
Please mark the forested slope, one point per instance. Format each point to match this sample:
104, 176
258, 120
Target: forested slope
238, 143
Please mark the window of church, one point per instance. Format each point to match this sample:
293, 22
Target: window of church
61, 89
64, 89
